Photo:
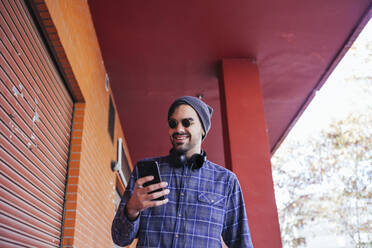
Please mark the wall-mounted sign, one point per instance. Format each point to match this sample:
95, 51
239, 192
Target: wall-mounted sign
122, 165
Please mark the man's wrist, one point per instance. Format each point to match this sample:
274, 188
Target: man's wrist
132, 216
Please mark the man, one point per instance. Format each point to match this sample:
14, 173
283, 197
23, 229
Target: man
203, 201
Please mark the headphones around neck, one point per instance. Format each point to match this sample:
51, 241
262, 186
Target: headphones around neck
178, 159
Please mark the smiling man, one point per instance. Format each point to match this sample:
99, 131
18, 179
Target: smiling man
203, 201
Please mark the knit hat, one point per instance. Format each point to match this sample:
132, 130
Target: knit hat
202, 109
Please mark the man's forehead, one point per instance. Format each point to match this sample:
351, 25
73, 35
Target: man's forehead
185, 111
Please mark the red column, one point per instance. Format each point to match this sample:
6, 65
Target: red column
247, 148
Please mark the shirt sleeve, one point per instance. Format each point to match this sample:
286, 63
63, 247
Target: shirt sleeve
235, 230
123, 230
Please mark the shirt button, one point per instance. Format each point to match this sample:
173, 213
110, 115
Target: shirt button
182, 194
179, 215
176, 235
212, 201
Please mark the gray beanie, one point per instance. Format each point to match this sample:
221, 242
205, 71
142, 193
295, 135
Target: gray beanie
202, 109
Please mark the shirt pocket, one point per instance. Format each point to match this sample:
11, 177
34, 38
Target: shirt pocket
211, 212
212, 199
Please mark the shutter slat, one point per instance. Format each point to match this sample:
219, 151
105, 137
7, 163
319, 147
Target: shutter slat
44, 59
44, 166
32, 85
36, 117
25, 47
43, 141
18, 203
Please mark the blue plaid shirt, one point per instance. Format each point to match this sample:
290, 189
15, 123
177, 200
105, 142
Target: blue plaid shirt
204, 204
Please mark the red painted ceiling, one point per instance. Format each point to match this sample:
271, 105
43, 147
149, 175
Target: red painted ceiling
157, 50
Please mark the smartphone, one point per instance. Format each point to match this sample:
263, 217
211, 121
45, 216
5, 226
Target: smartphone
150, 168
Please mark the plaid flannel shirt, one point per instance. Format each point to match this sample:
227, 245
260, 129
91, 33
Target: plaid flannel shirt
204, 204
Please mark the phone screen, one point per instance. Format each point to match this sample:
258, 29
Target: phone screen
150, 168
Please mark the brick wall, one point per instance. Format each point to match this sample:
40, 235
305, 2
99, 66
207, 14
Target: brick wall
89, 206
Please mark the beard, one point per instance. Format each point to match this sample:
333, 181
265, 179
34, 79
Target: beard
183, 146
180, 147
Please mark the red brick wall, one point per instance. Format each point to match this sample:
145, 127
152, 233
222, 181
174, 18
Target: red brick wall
91, 184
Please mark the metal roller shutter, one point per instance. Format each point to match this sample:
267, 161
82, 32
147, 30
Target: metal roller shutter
36, 114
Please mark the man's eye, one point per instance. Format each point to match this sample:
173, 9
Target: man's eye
172, 123
186, 122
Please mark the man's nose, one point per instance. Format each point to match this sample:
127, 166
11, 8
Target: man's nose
179, 128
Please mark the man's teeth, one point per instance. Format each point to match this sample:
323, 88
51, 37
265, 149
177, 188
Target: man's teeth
181, 137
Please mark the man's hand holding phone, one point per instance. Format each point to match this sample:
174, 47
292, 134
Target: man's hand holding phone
148, 191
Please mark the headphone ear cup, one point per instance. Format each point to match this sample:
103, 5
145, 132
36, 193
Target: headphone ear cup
197, 160
178, 159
